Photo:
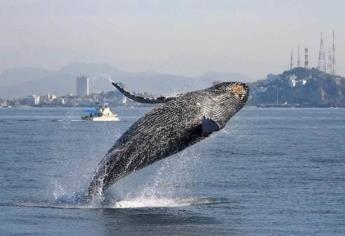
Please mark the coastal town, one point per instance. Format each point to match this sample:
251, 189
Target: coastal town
82, 98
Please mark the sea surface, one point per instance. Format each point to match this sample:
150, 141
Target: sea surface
269, 172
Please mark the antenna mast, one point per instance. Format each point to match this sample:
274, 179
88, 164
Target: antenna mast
322, 60
306, 59
330, 61
333, 56
298, 57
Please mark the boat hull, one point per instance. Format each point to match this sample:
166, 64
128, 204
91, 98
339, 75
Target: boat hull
101, 118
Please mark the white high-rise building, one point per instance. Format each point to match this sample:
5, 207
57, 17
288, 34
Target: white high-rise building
82, 86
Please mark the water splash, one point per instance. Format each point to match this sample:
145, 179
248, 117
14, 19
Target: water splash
169, 187
160, 202
58, 189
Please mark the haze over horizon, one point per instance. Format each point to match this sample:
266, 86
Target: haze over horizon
180, 37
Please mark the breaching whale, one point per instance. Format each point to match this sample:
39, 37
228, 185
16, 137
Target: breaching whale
176, 124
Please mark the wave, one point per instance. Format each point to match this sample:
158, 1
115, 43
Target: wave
160, 202
72, 202
72, 120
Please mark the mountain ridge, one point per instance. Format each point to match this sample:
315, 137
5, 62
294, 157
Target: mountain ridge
24, 81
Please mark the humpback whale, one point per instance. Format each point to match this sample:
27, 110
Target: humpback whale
177, 123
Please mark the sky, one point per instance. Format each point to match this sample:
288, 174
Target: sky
187, 37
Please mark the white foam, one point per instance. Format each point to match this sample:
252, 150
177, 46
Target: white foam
158, 202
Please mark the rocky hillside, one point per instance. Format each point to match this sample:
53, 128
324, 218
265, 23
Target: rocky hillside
299, 87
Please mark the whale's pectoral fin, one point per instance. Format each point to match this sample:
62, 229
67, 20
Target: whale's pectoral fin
141, 99
209, 126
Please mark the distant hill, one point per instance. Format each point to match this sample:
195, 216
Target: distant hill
299, 87
20, 82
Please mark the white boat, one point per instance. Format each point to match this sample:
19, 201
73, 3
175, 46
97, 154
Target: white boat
103, 113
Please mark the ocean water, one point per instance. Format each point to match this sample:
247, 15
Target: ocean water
269, 172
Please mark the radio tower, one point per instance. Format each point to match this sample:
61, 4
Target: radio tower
298, 57
333, 56
291, 60
306, 59
322, 60
330, 61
